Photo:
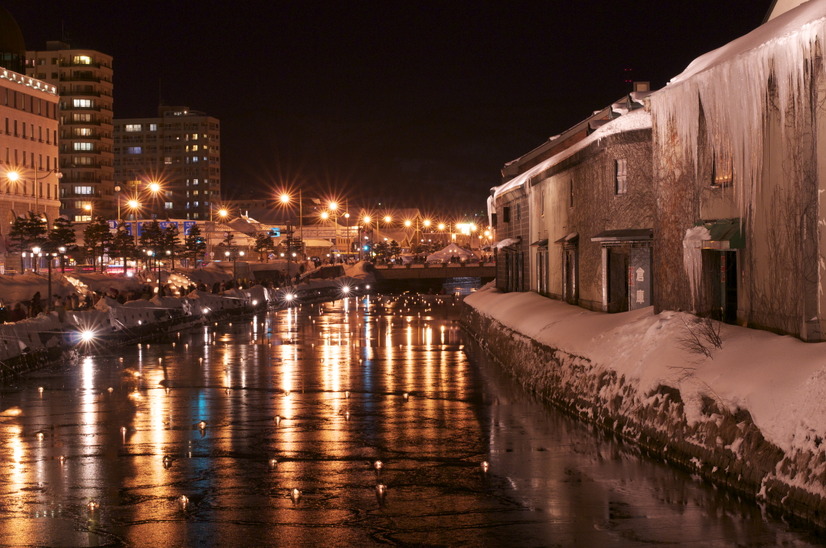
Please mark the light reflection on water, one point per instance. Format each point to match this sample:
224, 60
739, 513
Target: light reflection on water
353, 382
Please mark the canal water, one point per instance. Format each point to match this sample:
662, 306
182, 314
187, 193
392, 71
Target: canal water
352, 423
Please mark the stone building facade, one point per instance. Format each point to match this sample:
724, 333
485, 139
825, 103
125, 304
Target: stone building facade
739, 177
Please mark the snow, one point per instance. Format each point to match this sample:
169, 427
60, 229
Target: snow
22, 287
750, 372
444, 255
637, 119
732, 83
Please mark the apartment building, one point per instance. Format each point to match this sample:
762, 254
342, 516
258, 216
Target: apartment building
170, 164
84, 82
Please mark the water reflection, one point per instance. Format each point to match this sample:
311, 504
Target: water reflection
363, 419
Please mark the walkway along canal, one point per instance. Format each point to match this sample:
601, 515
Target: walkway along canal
356, 422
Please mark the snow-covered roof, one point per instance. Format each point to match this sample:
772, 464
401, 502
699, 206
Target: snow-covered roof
807, 19
636, 119
452, 250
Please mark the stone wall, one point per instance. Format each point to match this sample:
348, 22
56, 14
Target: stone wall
722, 446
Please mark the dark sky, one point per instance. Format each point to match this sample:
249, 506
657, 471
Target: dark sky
415, 104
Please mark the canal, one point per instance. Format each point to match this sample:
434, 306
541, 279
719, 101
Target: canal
345, 424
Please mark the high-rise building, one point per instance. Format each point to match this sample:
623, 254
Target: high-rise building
84, 81
180, 150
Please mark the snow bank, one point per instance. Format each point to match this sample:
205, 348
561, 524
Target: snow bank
751, 415
752, 371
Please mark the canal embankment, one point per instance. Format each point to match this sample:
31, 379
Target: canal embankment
739, 407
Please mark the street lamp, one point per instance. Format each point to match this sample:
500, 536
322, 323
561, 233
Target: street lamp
155, 189
133, 206
366, 219
14, 176
333, 207
387, 220
35, 258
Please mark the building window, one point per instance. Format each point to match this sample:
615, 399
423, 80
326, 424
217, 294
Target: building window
81, 60
167, 160
132, 128
571, 193
134, 150
506, 214
620, 177
167, 205
82, 131
82, 146
85, 190
82, 103
153, 127
722, 170
81, 117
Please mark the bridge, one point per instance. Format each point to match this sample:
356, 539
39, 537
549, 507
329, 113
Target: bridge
434, 272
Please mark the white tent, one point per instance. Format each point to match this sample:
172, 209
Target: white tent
452, 250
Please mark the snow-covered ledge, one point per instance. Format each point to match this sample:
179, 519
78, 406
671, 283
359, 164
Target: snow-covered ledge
751, 416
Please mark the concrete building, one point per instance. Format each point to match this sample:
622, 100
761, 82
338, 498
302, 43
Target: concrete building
180, 150
84, 81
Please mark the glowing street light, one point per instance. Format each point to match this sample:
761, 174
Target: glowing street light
155, 189
134, 206
35, 257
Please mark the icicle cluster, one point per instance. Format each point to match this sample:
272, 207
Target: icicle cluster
731, 85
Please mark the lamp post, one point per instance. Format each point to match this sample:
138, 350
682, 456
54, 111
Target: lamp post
366, 220
387, 220
14, 176
117, 200
333, 206
35, 256
49, 278
155, 189
133, 206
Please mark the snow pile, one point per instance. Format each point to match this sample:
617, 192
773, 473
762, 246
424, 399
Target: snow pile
22, 287
99, 282
750, 372
359, 272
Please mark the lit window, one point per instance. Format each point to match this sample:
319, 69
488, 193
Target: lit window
82, 103
83, 131
82, 146
82, 60
83, 190
134, 150
81, 117
722, 169
167, 160
132, 127
167, 205
153, 127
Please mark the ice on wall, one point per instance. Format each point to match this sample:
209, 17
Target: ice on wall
732, 85
692, 259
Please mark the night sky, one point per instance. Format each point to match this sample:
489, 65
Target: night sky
412, 104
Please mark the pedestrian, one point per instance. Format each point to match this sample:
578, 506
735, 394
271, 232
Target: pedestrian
36, 306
